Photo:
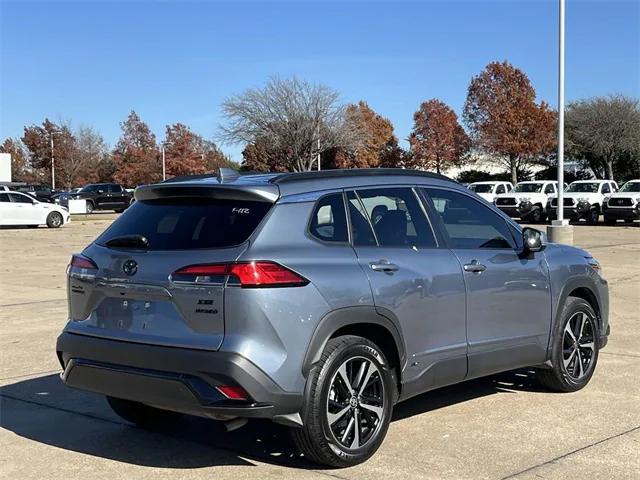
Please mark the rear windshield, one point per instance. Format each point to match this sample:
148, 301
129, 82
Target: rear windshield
186, 224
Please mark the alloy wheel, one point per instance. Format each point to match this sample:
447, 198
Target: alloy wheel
355, 405
578, 345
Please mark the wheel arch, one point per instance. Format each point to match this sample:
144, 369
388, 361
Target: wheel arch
363, 321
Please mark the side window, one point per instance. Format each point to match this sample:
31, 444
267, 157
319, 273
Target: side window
20, 198
4, 198
361, 231
329, 221
468, 223
606, 188
115, 189
550, 188
509, 187
500, 189
397, 218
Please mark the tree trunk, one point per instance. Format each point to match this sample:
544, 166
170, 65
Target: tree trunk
609, 164
514, 171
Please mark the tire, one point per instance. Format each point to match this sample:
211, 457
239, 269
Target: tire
328, 395
119, 210
593, 216
566, 375
141, 414
90, 207
54, 220
536, 215
609, 221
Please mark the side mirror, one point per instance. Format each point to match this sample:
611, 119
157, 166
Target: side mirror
533, 240
100, 191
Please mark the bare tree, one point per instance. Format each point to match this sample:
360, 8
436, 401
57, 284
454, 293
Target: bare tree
297, 119
604, 133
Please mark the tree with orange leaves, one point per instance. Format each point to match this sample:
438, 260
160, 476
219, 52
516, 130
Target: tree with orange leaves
504, 119
136, 155
437, 140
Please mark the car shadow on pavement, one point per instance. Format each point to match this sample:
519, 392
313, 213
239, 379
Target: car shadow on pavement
44, 410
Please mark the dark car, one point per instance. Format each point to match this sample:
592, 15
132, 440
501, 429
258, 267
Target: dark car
104, 196
42, 193
319, 300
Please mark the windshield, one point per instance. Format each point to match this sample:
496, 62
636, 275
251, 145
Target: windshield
584, 187
481, 188
528, 187
631, 187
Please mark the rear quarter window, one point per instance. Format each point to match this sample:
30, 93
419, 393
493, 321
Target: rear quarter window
186, 224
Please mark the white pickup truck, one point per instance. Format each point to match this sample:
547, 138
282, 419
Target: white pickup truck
624, 204
489, 190
527, 200
583, 199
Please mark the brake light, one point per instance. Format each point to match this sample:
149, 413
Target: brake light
79, 261
233, 392
248, 274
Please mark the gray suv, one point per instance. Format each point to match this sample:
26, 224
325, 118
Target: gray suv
319, 300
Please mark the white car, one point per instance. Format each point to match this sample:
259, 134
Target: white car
583, 199
527, 200
18, 208
624, 204
489, 190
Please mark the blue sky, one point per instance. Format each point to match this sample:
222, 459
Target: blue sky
91, 62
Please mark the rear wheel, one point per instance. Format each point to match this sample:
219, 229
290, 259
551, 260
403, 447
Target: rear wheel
54, 220
141, 414
349, 403
575, 348
536, 215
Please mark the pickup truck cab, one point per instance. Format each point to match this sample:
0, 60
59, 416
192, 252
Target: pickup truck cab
527, 200
104, 196
489, 190
624, 204
583, 199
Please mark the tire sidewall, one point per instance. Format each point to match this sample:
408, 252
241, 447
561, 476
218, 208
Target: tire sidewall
573, 306
337, 358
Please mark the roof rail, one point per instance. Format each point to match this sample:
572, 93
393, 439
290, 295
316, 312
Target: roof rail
354, 172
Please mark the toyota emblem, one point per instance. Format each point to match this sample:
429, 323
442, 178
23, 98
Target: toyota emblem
130, 267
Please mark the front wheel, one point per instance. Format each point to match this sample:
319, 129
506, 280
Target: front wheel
575, 348
54, 220
349, 404
90, 207
141, 414
593, 216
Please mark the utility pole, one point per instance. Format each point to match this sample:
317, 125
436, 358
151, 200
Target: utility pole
53, 166
164, 170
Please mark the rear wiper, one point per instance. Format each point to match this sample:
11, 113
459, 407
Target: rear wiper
128, 241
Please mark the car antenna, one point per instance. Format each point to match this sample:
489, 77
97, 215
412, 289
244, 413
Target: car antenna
226, 175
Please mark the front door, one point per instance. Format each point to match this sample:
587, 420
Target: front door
508, 293
25, 210
415, 280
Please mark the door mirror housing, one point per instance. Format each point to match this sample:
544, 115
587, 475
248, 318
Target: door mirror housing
533, 240
100, 190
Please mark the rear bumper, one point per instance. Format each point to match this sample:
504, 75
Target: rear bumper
176, 379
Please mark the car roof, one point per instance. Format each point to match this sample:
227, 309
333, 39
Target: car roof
302, 182
593, 181
488, 182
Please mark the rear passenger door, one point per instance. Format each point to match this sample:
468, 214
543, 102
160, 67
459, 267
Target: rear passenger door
116, 196
508, 294
415, 280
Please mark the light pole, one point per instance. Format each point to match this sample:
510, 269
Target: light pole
560, 231
53, 161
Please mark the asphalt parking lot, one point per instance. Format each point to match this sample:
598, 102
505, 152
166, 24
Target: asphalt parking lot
503, 426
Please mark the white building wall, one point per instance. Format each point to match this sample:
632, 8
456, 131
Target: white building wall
5, 167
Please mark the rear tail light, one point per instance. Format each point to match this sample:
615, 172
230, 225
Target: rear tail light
233, 392
79, 261
246, 274
82, 267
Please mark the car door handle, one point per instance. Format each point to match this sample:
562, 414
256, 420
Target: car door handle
474, 267
383, 267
